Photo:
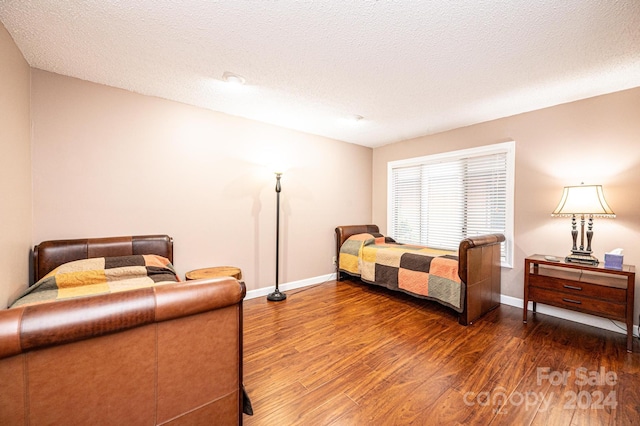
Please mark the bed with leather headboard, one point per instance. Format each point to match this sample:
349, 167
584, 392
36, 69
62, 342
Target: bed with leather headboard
64, 269
468, 281
48, 255
161, 354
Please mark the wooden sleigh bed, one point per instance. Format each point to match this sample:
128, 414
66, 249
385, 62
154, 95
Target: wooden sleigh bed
472, 293
162, 351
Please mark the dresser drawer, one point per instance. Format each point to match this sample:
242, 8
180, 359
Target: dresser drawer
578, 302
579, 288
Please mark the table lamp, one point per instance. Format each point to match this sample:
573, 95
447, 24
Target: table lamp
583, 200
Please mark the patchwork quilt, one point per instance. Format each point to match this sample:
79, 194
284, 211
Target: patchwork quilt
417, 270
99, 276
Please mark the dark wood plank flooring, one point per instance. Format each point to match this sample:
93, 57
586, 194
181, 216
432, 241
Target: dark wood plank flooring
346, 353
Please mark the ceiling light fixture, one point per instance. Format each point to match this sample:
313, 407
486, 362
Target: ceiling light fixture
232, 78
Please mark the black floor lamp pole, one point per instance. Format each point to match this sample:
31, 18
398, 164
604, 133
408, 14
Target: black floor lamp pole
277, 296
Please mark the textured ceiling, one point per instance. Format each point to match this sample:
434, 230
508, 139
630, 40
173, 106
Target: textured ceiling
410, 68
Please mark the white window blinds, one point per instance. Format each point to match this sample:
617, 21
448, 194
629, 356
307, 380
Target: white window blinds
439, 200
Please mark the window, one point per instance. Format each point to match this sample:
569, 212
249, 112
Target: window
438, 200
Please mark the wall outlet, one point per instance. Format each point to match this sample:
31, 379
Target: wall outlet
335, 260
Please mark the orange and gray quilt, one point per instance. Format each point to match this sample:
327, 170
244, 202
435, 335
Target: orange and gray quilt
99, 275
416, 270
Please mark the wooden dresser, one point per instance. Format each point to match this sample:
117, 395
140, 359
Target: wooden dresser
591, 289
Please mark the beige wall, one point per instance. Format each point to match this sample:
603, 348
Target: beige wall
109, 162
15, 170
595, 141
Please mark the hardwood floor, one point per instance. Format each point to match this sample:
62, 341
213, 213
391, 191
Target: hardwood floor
345, 353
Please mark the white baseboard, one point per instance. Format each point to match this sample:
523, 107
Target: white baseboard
591, 320
259, 292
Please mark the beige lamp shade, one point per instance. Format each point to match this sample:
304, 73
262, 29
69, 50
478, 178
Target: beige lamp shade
583, 199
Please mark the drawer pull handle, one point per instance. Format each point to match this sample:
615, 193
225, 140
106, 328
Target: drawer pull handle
572, 287
572, 301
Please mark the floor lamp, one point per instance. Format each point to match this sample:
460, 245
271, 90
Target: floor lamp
277, 296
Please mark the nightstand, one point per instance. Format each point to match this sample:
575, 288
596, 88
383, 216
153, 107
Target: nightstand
590, 289
214, 272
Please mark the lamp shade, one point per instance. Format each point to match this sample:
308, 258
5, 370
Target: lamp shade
583, 199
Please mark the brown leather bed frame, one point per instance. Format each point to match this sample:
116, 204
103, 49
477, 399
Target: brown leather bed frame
478, 268
170, 354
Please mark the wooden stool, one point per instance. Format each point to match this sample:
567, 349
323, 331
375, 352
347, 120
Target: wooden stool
215, 272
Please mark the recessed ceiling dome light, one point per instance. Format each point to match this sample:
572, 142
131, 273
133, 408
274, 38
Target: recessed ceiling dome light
230, 77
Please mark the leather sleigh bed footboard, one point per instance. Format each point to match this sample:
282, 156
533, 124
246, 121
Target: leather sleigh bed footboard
478, 269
